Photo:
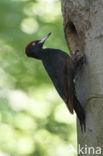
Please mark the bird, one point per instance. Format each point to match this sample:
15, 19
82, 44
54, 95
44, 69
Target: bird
61, 69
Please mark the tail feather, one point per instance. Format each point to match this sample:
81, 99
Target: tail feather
80, 114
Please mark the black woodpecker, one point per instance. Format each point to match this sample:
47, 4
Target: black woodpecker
61, 68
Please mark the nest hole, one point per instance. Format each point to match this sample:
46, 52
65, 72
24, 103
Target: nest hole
73, 38
72, 27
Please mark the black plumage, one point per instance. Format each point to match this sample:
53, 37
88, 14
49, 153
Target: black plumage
61, 68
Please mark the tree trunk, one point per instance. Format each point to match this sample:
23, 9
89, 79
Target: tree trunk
83, 27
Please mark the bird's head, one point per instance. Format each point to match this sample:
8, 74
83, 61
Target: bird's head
33, 49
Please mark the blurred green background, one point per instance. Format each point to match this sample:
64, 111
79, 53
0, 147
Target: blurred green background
34, 121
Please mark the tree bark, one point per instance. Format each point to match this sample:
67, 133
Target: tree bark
83, 27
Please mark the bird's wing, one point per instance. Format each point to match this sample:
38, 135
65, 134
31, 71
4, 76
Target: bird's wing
61, 80
68, 86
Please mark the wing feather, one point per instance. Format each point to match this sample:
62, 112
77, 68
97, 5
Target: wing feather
61, 78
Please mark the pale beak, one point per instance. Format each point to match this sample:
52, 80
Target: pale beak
44, 39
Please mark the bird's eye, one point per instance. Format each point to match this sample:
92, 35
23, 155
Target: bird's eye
33, 44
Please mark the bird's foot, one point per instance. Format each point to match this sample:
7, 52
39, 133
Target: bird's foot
78, 60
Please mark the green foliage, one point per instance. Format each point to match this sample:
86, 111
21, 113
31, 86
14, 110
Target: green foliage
34, 121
